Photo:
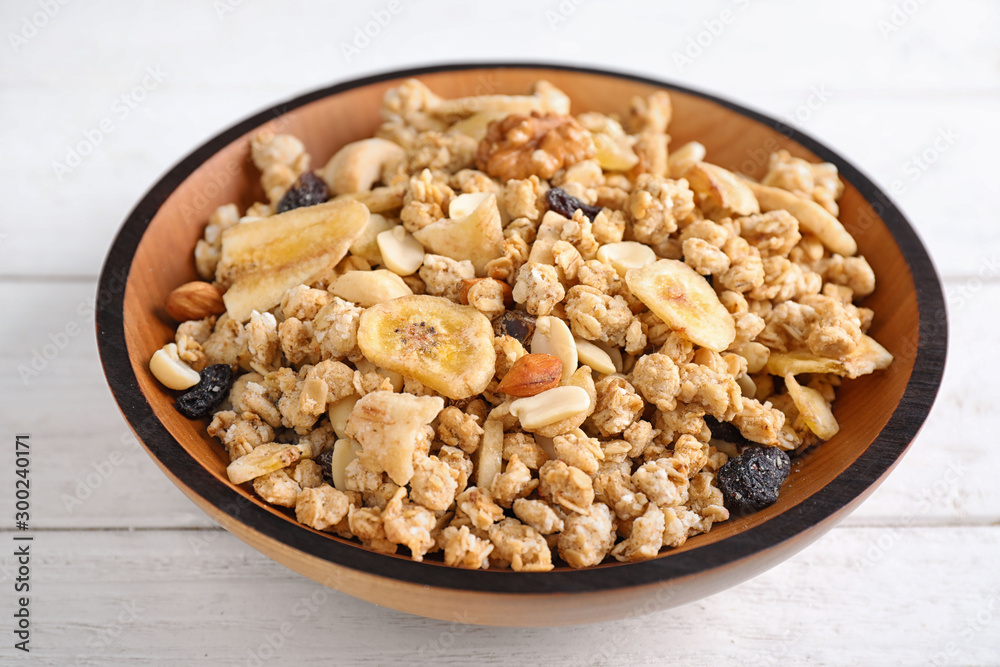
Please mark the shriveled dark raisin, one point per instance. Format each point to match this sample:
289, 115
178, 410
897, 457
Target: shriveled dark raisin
565, 204
308, 190
726, 431
325, 461
212, 389
516, 325
751, 481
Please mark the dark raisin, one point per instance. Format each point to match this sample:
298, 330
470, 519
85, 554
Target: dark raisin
750, 482
565, 204
726, 431
516, 325
212, 389
325, 461
308, 190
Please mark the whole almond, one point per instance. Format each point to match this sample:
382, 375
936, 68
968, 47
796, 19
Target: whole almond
508, 293
531, 374
194, 301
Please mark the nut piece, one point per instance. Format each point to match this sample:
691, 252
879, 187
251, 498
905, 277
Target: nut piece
358, 165
489, 456
540, 144
168, 368
552, 336
593, 356
367, 288
401, 253
550, 406
344, 451
194, 301
531, 374
626, 255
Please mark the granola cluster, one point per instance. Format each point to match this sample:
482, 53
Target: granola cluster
549, 337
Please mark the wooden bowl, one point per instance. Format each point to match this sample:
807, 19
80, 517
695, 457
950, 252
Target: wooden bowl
879, 414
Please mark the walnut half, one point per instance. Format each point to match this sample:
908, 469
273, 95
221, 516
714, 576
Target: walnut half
519, 146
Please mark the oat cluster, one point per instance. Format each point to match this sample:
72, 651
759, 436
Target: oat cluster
520, 359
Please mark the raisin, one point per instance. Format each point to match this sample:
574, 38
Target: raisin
212, 389
308, 190
751, 481
565, 204
726, 432
325, 461
516, 325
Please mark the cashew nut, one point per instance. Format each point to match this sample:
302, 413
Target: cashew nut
357, 166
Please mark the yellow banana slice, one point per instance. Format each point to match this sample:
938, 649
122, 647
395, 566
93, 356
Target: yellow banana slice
813, 408
445, 346
266, 258
685, 301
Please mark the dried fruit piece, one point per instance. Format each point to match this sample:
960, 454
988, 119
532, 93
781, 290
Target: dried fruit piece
813, 408
212, 389
550, 406
719, 191
751, 481
685, 301
308, 190
477, 237
531, 374
566, 204
367, 288
194, 301
552, 336
266, 258
263, 460
516, 324
868, 358
445, 346
797, 363
726, 431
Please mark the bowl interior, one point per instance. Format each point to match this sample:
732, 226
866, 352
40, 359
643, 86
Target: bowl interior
164, 259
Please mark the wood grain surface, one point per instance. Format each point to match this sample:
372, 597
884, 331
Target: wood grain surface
907, 579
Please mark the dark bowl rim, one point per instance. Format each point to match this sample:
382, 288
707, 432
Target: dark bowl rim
903, 425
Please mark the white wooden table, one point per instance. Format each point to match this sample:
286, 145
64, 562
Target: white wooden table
125, 570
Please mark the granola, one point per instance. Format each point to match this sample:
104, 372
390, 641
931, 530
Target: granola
675, 304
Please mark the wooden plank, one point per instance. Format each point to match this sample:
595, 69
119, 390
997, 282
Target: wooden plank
945, 478
202, 597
